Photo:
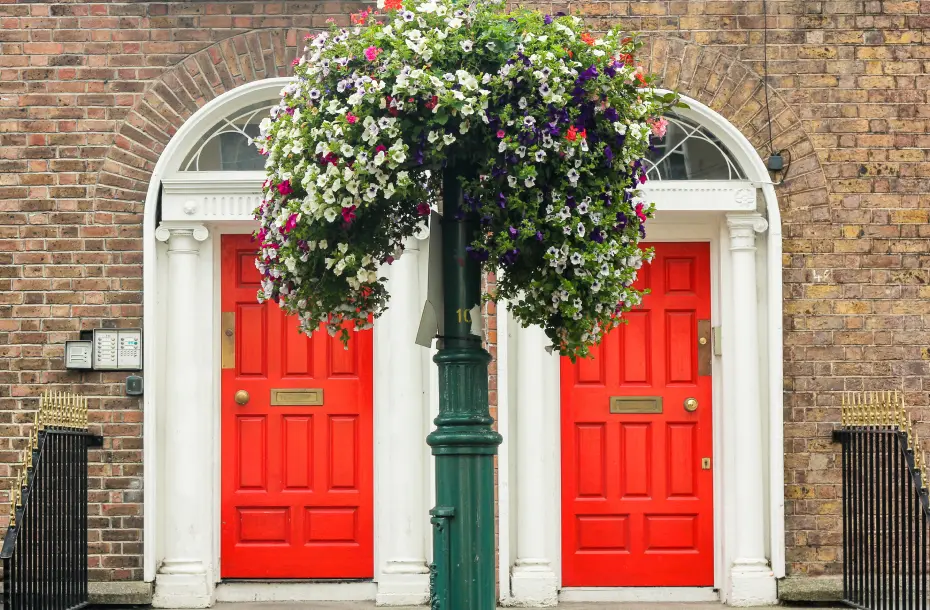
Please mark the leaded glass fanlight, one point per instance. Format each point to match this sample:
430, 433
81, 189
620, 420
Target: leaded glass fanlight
227, 146
690, 152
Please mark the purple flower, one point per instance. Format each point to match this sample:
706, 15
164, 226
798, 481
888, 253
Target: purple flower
608, 156
588, 74
513, 232
501, 200
611, 115
510, 257
570, 201
539, 236
642, 231
548, 19
597, 236
477, 254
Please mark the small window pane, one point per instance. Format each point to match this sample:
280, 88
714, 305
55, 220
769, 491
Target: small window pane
228, 145
690, 152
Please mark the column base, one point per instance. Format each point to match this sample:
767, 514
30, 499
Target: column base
183, 584
403, 583
533, 584
752, 583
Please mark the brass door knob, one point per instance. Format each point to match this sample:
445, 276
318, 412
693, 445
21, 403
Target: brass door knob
691, 405
242, 397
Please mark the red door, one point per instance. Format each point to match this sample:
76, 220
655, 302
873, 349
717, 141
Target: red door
637, 497
297, 456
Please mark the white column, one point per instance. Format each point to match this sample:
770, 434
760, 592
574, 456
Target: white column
404, 575
752, 582
184, 577
533, 581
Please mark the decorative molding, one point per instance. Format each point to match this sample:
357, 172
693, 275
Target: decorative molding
743, 229
182, 238
701, 195
212, 196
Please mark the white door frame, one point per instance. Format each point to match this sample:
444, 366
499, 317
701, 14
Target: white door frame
726, 214
196, 209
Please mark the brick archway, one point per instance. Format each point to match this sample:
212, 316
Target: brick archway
727, 86
177, 94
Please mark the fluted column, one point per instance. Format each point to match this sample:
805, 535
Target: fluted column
404, 576
184, 579
752, 582
533, 581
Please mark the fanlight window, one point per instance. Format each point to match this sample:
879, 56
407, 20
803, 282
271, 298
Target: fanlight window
690, 152
227, 146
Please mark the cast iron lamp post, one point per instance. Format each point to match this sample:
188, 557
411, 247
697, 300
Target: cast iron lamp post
464, 443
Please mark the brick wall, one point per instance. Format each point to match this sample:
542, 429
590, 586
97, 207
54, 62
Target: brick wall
90, 93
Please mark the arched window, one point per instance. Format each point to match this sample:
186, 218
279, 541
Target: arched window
690, 152
227, 146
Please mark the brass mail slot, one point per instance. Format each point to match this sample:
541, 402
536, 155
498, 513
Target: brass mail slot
635, 404
296, 397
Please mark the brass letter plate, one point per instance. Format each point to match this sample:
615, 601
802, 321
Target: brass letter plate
296, 397
228, 339
635, 404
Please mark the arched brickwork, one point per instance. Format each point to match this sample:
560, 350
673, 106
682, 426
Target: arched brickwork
725, 84
177, 94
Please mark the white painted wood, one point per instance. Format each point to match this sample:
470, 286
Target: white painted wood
404, 578
295, 591
752, 582
185, 575
639, 594
701, 195
504, 504
533, 581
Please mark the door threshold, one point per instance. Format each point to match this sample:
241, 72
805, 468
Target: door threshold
275, 590
639, 594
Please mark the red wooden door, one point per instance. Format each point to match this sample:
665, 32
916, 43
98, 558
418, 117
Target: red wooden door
296, 480
637, 501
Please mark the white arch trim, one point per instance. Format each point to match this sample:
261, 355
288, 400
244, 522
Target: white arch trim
196, 209
723, 213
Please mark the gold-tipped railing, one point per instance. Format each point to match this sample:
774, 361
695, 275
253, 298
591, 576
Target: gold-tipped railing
886, 505
45, 548
884, 411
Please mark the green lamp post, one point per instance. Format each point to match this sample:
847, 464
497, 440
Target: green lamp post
464, 443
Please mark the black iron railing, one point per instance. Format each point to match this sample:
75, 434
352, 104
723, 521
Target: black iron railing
886, 508
45, 549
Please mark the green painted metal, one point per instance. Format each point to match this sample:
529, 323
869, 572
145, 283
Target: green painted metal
463, 442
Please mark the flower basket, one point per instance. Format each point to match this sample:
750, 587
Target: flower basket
551, 122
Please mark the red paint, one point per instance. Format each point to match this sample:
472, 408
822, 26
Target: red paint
297, 487
637, 508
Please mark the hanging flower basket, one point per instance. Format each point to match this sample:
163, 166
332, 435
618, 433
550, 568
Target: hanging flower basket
551, 122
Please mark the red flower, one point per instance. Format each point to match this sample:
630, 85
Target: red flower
423, 209
290, 224
380, 148
572, 133
584, 134
284, 188
639, 212
431, 103
393, 5
348, 214
392, 109
587, 38
296, 61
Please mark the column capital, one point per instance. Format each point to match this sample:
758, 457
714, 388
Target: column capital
743, 228
182, 238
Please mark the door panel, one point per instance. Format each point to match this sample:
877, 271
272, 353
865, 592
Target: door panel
637, 504
297, 486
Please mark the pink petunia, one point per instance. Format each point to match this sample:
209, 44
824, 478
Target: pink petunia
639, 212
351, 118
290, 224
371, 53
658, 126
284, 188
423, 209
500, 133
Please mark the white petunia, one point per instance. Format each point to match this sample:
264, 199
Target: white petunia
448, 139
467, 45
529, 182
